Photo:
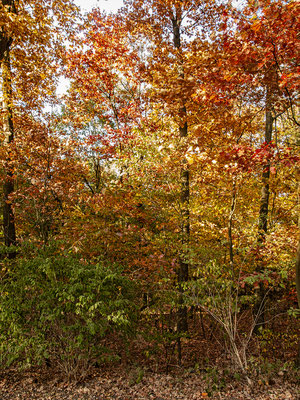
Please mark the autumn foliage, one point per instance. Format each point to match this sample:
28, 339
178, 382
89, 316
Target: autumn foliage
168, 173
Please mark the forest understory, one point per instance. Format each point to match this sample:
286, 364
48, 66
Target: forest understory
150, 242
151, 372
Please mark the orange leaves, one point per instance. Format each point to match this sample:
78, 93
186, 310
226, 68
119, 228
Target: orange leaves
104, 91
48, 176
38, 30
270, 36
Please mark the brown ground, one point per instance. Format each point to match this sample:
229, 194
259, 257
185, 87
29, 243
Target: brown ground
150, 372
136, 384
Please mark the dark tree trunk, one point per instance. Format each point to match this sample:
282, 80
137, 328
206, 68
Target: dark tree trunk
264, 208
265, 191
183, 269
298, 294
230, 222
5, 39
8, 129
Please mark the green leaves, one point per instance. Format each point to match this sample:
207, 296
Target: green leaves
58, 302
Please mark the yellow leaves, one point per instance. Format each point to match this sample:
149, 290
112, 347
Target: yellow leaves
191, 159
36, 46
256, 25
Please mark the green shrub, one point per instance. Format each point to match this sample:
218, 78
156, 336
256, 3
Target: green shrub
62, 308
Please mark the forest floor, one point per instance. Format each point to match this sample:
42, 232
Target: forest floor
131, 384
151, 372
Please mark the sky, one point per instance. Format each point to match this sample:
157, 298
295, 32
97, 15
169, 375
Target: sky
86, 6
107, 5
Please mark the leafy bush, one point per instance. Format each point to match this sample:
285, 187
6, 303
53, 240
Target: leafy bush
60, 307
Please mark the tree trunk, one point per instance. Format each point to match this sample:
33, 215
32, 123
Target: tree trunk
298, 295
230, 222
183, 270
297, 267
5, 39
8, 130
265, 192
264, 207
298, 273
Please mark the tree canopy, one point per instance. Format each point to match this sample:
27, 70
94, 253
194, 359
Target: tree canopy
163, 184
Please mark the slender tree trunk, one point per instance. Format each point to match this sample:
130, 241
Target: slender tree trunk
5, 39
8, 130
183, 270
297, 265
298, 294
298, 249
230, 222
265, 191
264, 206
298, 273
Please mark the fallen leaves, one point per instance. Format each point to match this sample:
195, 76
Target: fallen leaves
115, 385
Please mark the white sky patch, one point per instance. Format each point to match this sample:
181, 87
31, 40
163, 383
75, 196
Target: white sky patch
87, 6
106, 5
63, 85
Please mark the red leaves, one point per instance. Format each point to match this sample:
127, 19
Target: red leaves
104, 83
246, 158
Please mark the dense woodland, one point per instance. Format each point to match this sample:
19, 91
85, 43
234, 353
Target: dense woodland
151, 214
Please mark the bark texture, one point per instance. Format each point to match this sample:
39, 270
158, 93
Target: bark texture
5, 38
264, 206
297, 267
8, 131
183, 270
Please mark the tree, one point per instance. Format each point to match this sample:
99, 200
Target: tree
30, 45
298, 292
8, 129
268, 38
48, 173
171, 74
